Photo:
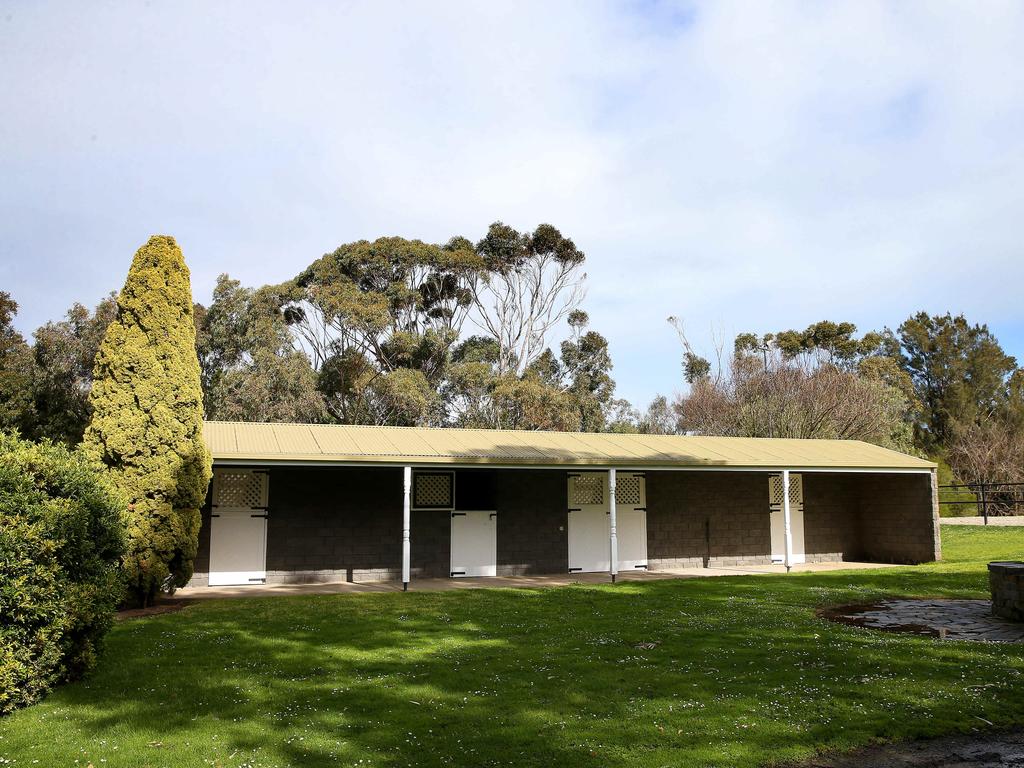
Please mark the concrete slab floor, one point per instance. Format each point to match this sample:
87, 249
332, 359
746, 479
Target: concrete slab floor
1008, 520
507, 582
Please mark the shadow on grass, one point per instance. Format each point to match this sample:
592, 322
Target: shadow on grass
726, 671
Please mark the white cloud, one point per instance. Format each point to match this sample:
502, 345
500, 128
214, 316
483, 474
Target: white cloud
743, 165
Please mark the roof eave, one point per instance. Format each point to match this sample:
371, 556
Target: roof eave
511, 463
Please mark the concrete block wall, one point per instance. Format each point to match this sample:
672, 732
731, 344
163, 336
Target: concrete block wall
831, 532
707, 518
532, 522
722, 518
341, 524
898, 516
344, 524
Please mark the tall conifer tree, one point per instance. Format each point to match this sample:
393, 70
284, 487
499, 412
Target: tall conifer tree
146, 426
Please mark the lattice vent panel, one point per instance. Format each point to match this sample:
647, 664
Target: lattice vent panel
240, 489
796, 491
587, 489
433, 491
628, 490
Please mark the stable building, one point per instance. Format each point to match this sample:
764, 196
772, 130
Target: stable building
304, 503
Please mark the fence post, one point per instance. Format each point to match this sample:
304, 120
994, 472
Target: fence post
984, 503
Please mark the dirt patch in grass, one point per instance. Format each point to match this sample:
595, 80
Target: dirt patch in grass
152, 610
979, 750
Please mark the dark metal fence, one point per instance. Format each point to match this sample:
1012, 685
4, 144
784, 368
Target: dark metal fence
993, 499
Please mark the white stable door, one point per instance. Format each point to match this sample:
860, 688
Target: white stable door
238, 548
796, 529
238, 527
631, 516
589, 522
796, 519
589, 543
474, 543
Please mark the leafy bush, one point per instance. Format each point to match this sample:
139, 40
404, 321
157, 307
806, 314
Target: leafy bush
954, 503
60, 547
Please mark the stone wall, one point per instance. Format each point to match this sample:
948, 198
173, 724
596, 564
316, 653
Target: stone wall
1007, 584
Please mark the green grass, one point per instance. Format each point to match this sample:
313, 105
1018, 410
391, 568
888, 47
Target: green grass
742, 674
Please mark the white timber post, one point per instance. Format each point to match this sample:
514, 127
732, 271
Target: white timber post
406, 550
612, 533
786, 520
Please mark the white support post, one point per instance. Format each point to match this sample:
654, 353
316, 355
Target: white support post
406, 549
786, 520
612, 533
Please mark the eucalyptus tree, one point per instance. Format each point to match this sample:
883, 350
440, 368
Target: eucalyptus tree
64, 353
530, 283
378, 320
16, 371
252, 369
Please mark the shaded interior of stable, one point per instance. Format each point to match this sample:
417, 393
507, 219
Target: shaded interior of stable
345, 523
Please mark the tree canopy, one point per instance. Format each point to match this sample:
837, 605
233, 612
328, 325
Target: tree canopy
491, 333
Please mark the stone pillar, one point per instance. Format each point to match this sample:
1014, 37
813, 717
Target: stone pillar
1006, 581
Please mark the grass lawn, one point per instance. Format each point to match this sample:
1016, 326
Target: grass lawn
742, 674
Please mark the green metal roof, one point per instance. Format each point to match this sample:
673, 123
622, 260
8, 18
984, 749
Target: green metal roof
261, 443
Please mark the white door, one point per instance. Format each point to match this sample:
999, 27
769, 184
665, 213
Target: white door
631, 520
474, 543
589, 533
796, 518
238, 528
589, 543
238, 548
589, 546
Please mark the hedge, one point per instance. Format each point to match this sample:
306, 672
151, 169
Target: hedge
61, 542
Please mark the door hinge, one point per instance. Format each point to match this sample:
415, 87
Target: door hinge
457, 573
458, 514
575, 509
264, 516
573, 570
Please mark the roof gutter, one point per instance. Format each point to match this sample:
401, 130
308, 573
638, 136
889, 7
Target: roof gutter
578, 466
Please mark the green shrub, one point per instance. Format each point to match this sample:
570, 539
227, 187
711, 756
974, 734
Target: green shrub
954, 503
147, 418
60, 548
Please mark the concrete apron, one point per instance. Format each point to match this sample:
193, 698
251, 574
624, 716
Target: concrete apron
506, 582
992, 520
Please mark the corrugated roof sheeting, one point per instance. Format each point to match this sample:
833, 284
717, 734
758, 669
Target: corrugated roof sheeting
343, 444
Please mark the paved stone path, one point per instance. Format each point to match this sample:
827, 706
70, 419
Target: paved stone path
949, 619
977, 750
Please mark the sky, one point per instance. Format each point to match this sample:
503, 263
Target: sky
744, 166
